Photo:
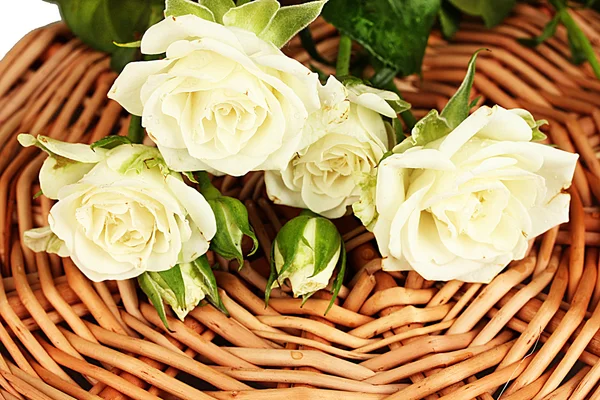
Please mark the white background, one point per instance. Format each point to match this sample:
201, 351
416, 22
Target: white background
22, 16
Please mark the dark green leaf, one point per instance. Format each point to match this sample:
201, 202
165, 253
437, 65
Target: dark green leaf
309, 45
110, 142
177, 8
101, 23
326, 244
449, 20
457, 108
290, 20
548, 31
150, 288
576, 46
383, 76
492, 11
339, 279
174, 280
209, 283
474, 102
135, 133
394, 31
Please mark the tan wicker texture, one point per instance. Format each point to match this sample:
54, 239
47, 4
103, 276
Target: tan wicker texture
391, 335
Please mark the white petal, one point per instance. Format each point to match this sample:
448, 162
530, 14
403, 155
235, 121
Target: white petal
506, 126
54, 176
127, 87
279, 193
196, 205
43, 239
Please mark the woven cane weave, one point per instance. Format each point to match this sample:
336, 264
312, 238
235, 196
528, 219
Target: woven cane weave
532, 333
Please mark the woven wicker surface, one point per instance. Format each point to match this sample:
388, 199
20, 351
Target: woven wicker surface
391, 335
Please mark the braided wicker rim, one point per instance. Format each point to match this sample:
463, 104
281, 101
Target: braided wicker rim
391, 335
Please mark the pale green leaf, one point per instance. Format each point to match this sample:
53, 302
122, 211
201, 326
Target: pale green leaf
290, 20
218, 7
254, 17
206, 278
132, 45
178, 8
174, 281
429, 128
110, 142
326, 244
339, 279
151, 289
457, 108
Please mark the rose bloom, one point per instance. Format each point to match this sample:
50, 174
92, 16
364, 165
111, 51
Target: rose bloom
347, 137
119, 212
223, 100
465, 205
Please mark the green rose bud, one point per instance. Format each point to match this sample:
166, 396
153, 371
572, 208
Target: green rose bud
232, 222
181, 287
305, 252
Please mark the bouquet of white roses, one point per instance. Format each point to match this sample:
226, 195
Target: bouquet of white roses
457, 199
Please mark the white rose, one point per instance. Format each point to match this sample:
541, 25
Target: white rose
346, 141
223, 100
119, 212
464, 206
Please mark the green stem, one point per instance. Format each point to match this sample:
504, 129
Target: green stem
206, 187
135, 132
578, 34
342, 67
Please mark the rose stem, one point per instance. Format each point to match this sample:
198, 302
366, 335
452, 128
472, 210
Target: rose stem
342, 66
558, 339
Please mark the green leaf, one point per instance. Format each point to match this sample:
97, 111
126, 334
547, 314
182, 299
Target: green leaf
208, 283
102, 23
177, 8
273, 276
457, 108
325, 247
136, 44
339, 279
474, 102
150, 287
581, 47
254, 17
393, 31
492, 11
135, 133
174, 280
110, 142
38, 194
290, 20
449, 20
429, 128
218, 7
232, 219
576, 46
309, 45
548, 31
